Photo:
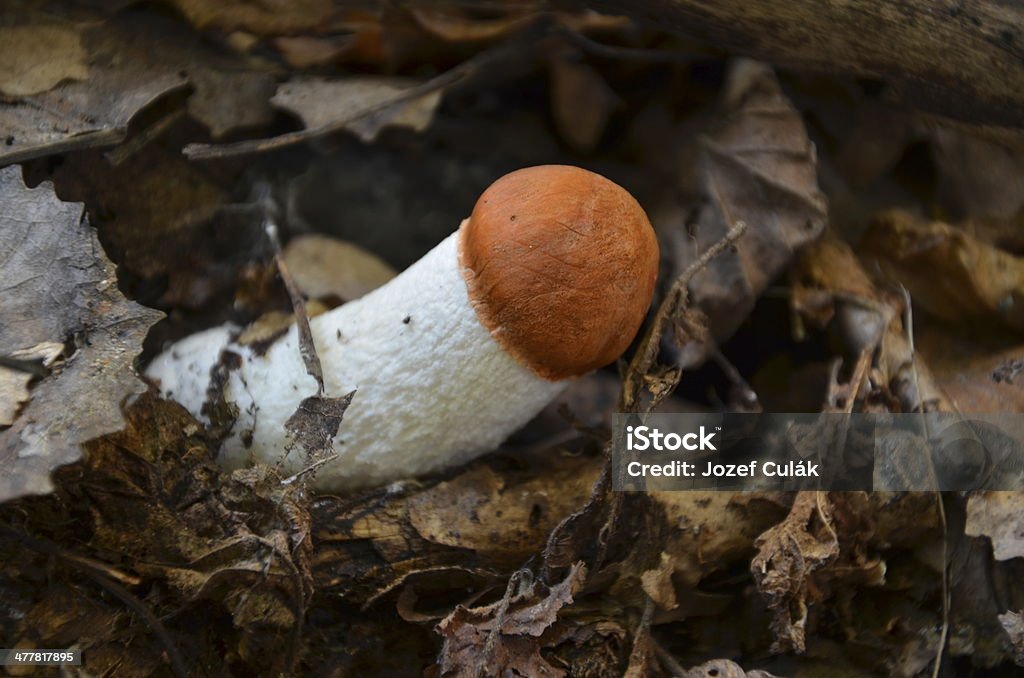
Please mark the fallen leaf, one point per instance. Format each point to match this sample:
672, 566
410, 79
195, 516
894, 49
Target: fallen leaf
788, 554
314, 424
14, 381
657, 583
58, 286
327, 267
275, 17
947, 271
582, 102
37, 57
1000, 517
327, 104
755, 165
134, 59
506, 637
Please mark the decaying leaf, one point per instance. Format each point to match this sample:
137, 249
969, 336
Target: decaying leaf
506, 637
948, 272
788, 554
1013, 624
582, 102
315, 423
19, 369
133, 59
1000, 517
979, 171
36, 57
327, 267
755, 165
57, 286
322, 103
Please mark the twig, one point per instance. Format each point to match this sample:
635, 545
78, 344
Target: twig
667, 661
443, 81
306, 346
909, 321
676, 297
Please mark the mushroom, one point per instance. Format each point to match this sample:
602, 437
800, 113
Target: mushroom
548, 279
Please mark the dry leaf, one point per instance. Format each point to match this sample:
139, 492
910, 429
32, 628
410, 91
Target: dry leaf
135, 58
14, 381
948, 272
327, 267
37, 57
1000, 517
506, 637
324, 103
788, 554
271, 17
58, 286
755, 165
582, 102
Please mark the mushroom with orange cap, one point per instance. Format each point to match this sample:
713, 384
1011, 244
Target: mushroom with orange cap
548, 279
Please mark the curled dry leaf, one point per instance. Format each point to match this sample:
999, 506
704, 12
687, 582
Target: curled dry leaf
949, 272
788, 554
36, 57
1000, 517
58, 286
755, 165
506, 637
327, 267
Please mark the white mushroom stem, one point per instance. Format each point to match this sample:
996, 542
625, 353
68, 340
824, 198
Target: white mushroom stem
415, 410
548, 279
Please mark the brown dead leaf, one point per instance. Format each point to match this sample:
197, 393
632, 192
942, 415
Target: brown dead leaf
58, 286
1000, 517
948, 272
755, 165
273, 17
506, 637
327, 267
134, 59
324, 104
314, 424
657, 583
788, 554
37, 57
582, 102
478, 510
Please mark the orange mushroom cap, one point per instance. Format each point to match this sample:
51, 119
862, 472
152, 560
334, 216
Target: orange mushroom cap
560, 264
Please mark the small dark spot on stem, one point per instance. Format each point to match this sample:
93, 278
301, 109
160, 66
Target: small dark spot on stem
512, 218
9, 140
407, 319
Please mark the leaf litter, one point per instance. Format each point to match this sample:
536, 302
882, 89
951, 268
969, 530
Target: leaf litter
524, 562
